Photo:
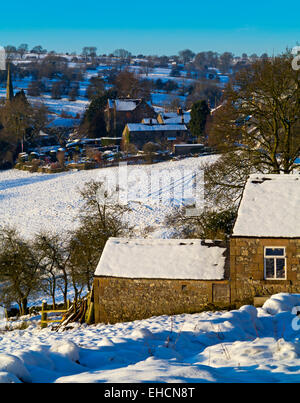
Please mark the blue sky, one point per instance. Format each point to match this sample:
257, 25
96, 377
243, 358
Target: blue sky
152, 27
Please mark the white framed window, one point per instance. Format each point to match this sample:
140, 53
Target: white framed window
275, 263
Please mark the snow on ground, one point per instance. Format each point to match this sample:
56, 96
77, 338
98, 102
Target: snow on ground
164, 75
55, 105
58, 106
163, 99
62, 105
35, 202
245, 345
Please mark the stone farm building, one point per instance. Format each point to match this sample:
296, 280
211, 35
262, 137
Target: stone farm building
119, 112
140, 278
140, 134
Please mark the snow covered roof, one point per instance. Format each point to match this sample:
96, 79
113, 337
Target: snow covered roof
189, 259
270, 207
124, 105
178, 119
140, 127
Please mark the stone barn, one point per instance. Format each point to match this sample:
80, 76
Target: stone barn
265, 245
140, 278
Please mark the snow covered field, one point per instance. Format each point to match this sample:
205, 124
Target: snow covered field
246, 345
35, 202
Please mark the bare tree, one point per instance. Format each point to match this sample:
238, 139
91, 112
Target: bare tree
257, 129
20, 270
55, 257
23, 49
128, 84
261, 115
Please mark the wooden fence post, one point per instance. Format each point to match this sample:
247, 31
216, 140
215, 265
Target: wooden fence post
90, 314
44, 315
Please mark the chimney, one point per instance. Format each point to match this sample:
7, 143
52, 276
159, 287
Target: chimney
150, 122
179, 111
182, 120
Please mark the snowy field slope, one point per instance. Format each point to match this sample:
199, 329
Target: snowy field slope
245, 345
37, 202
58, 106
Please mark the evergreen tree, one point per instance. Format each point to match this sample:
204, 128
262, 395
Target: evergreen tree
9, 85
93, 122
200, 112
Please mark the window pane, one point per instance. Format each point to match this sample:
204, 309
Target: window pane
280, 268
274, 252
270, 268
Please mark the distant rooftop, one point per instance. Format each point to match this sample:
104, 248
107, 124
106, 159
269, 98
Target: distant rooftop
270, 207
176, 117
140, 127
124, 105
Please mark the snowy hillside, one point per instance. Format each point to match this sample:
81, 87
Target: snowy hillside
34, 202
246, 345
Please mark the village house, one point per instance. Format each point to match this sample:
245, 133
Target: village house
119, 112
140, 134
139, 278
171, 118
265, 245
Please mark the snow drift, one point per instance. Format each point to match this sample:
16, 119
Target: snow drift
244, 345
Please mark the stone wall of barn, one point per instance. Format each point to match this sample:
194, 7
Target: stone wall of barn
247, 268
121, 300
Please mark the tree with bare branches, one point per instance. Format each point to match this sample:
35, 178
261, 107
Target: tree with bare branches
20, 269
257, 129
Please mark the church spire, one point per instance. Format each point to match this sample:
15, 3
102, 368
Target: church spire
9, 85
